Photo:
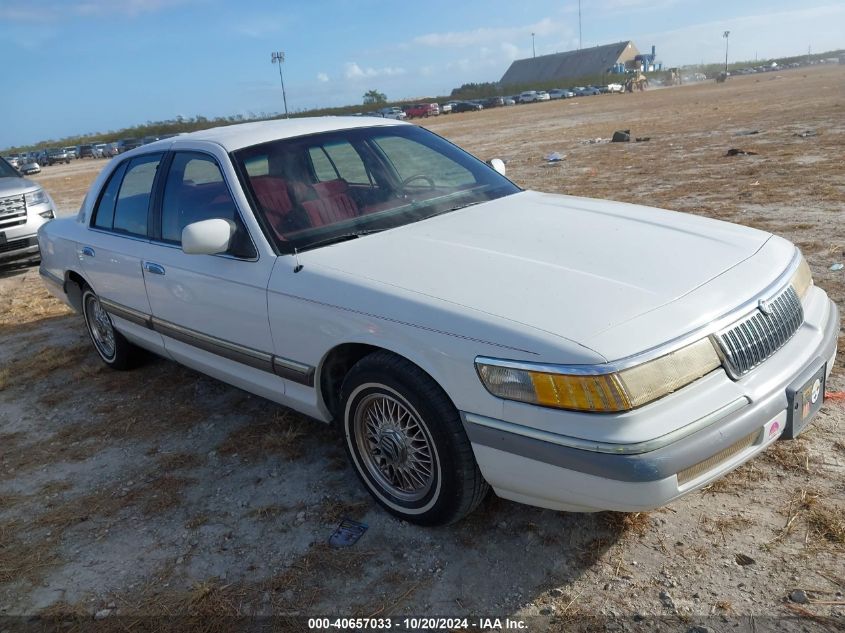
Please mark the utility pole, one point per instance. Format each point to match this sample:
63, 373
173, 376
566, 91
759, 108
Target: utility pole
580, 42
278, 57
725, 35
533, 50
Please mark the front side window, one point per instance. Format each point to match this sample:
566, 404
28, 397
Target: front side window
133, 198
312, 190
195, 191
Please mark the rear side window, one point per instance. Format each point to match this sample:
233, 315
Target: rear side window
133, 199
124, 203
104, 213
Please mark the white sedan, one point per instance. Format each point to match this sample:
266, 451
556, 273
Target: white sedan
463, 333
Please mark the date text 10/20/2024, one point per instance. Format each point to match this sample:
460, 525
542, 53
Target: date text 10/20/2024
411, 624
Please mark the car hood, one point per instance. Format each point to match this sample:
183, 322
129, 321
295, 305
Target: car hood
12, 185
572, 267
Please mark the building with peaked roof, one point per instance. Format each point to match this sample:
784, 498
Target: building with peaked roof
569, 65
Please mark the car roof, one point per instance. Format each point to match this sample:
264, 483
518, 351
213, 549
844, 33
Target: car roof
235, 137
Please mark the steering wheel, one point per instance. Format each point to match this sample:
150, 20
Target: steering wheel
411, 179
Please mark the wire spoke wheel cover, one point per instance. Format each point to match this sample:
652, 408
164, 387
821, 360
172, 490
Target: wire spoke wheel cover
100, 327
395, 445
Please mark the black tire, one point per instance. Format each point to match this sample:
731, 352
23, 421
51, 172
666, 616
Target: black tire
384, 385
111, 346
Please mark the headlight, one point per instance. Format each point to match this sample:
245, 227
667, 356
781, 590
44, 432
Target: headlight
39, 196
802, 279
602, 393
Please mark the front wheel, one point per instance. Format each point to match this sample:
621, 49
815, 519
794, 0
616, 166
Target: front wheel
114, 350
406, 442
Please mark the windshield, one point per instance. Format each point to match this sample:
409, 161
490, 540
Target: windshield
313, 190
7, 171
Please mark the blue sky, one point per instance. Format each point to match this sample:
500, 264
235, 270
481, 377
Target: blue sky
94, 65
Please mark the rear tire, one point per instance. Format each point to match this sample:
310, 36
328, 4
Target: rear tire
111, 346
406, 442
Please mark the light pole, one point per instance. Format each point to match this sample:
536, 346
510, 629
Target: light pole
279, 57
533, 50
580, 43
725, 35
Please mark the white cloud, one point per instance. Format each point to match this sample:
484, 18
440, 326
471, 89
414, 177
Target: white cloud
486, 35
354, 71
322, 77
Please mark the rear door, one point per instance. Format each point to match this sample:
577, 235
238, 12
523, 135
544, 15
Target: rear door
211, 309
116, 243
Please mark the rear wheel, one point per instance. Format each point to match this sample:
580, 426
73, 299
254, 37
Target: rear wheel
406, 442
112, 347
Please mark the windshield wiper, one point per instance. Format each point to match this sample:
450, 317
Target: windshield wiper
342, 237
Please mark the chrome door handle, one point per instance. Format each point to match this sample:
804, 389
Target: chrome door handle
152, 267
87, 251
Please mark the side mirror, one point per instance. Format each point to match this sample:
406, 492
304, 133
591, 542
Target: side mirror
208, 237
498, 164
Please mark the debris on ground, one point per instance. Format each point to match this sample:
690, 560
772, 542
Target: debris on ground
740, 152
743, 560
621, 136
666, 599
347, 533
555, 157
838, 266
747, 133
594, 141
799, 596
807, 133
642, 139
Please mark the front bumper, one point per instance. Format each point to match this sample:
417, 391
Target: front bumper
541, 468
19, 249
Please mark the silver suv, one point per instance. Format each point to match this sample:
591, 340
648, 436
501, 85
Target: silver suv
24, 206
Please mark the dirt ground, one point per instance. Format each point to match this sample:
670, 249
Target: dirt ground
163, 492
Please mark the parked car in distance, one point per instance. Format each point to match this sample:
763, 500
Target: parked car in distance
560, 93
419, 110
529, 96
493, 102
30, 166
127, 144
615, 87
86, 151
57, 155
24, 207
542, 95
466, 106
393, 112
71, 152
13, 161
383, 279
509, 101
445, 108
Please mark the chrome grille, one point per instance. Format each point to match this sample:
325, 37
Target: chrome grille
12, 210
755, 338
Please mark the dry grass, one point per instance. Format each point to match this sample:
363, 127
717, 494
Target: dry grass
621, 523
333, 510
169, 462
196, 521
789, 456
268, 513
742, 479
283, 433
21, 559
45, 362
29, 303
827, 523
